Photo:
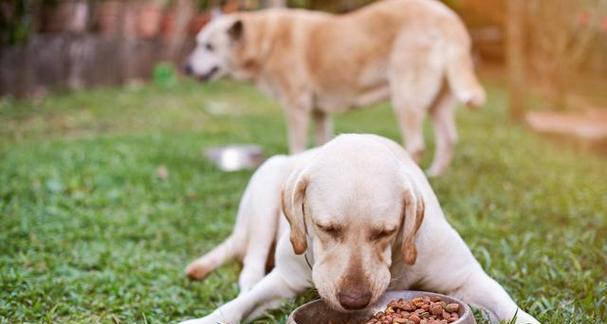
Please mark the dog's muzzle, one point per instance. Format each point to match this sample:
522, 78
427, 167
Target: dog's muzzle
189, 70
354, 298
208, 75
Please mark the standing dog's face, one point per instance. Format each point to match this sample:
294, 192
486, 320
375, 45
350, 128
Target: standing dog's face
352, 215
219, 50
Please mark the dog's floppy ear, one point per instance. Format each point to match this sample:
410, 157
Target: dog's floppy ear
413, 215
236, 31
292, 197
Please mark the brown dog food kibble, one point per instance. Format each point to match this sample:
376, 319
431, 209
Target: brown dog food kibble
420, 310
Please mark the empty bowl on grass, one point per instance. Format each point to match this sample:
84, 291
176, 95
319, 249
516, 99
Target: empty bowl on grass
235, 157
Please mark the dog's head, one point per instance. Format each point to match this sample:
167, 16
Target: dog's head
221, 49
353, 206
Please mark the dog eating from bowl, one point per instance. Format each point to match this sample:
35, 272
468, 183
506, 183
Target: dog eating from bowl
352, 218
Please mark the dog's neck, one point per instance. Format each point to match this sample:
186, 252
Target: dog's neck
259, 44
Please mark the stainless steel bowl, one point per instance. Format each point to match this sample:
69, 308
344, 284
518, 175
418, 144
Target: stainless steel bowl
235, 157
317, 312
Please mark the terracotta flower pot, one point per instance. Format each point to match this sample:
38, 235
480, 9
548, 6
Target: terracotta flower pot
148, 22
167, 24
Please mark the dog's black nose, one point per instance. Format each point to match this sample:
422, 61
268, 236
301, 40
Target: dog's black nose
354, 298
187, 69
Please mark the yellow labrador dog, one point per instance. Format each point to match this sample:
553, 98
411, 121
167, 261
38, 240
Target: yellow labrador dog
363, 219
414, 52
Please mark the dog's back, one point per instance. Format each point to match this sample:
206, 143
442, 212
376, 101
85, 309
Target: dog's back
352, 52
346, 58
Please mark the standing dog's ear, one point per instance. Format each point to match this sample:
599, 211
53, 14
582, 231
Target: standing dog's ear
236, 31
413, 215
292, 197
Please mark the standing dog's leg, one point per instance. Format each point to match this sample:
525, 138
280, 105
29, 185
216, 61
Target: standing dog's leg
323, 127
271, 288
411, 126
481, 290
445, 132
415, 79
298, 121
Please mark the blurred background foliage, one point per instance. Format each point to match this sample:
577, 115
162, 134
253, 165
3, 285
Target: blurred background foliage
561, 46
20, 18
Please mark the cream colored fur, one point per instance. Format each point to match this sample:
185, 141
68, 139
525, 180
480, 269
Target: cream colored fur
365, 217
415, 53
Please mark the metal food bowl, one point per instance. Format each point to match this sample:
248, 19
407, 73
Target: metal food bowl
317, 312
235, 157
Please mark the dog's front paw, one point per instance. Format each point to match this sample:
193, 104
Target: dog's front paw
203, 320
524, 318
212, 318
192, 321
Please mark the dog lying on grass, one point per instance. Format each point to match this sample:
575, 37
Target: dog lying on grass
362, 218
414, 52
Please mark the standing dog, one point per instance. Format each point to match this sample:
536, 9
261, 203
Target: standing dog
414, 52
363, 219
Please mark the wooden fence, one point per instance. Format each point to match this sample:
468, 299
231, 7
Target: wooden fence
74, 61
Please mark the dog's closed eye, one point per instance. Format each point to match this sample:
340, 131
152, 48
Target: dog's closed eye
209, 47
379, 234
330, 229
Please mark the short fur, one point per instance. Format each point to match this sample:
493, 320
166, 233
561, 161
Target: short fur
363, 218
414, 52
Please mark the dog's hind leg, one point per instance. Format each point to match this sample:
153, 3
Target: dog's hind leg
233, 247
266, 294
415, 77
297, 112
289, 278
445, 131
262, 205
203, 266
255, 228
257, 254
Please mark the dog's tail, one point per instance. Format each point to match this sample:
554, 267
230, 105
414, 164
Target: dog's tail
461, 77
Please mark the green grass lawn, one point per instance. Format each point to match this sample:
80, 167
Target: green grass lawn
90, 233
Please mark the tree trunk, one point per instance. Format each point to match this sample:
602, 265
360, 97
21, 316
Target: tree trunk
516, 57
